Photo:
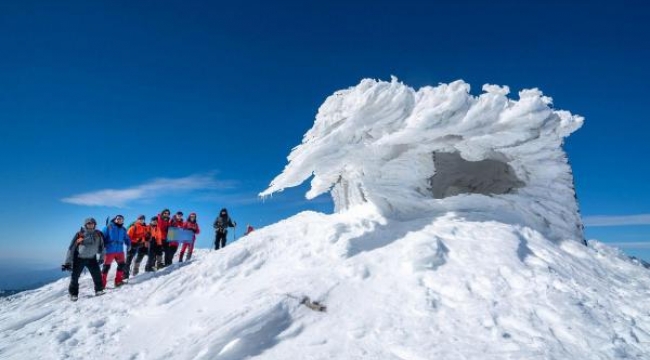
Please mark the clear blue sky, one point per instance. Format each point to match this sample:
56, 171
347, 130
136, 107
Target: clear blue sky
212, 96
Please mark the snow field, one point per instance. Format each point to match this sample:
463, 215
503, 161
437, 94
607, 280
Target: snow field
440, 286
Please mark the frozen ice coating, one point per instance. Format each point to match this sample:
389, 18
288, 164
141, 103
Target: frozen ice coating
441, 149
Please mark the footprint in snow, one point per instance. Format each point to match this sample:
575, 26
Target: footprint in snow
97, 323
66, 335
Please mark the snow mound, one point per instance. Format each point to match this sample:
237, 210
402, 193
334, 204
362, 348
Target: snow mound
408, 151
445, 246
442, 286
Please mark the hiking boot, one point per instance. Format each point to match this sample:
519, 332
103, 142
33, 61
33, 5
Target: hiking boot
74, 297
100, 292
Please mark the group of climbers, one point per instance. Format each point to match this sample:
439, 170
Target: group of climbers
139, 239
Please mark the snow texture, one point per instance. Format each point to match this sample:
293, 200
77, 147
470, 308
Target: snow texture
408, 151
442, 286
455, 239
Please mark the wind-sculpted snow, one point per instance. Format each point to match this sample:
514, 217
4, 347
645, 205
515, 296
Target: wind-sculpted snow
475, 274
408, 151
451, 286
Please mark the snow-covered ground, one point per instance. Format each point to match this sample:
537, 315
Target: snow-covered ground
443, 286
457, 236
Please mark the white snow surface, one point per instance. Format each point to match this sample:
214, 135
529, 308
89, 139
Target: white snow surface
456, 236
408, 151
442, 286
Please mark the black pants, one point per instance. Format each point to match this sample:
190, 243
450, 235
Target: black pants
220, 239
170, 250
77, 267
154, 252
144, 251
135, 250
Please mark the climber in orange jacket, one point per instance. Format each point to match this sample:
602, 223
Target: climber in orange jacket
137, 233
155, 249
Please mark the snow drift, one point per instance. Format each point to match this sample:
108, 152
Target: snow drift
466, 252
435, 287
406, 151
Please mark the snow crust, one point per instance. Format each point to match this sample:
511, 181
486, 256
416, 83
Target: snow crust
407, 151
442, 286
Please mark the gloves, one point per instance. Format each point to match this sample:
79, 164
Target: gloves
66, 267
101, 260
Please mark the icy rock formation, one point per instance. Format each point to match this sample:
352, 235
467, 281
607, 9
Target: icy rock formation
441, 148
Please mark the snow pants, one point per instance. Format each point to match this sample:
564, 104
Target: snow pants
170, 251
189, 247
220, 239
135, 250
154, 253
77, 267
144, 250
121, 264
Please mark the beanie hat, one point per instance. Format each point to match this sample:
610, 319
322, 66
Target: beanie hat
142, 217
153, 218
90, 221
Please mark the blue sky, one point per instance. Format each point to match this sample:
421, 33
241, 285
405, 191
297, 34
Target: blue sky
194, 105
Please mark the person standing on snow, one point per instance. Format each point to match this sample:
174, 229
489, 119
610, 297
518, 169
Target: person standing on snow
192, 225
221, 225
163, 227
154, 256
249, 229
86, 244
137, 233
115, 238
172, 246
